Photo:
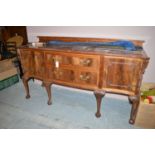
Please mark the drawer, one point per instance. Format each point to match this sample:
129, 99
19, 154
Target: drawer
78, 60
65, 75
87, 78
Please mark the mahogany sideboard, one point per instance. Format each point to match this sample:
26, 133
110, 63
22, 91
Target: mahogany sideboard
102, 71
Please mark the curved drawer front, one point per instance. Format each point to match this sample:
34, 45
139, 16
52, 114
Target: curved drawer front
77, 69
73, 60
87, 78
64, 75
72, 77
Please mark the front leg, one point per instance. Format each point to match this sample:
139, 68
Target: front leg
25, 82
99, 95
48, 89
135, 104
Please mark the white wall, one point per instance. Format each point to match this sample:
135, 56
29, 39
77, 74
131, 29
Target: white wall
125, 32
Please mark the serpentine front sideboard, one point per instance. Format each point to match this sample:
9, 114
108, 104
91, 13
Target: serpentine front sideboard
100, 69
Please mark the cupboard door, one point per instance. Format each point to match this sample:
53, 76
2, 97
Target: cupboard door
122, 73
27, 62
39, 64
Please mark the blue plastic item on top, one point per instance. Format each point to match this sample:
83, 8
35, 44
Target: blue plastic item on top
127, 45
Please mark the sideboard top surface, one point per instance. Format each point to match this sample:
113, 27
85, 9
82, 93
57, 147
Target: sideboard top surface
97, 51
88, 49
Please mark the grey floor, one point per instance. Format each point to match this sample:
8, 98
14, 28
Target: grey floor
70, 109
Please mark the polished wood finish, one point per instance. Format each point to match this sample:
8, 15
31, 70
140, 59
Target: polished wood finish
121, 73
99, 95
135, 103
48, 89
75, 69
100, 72
25, 82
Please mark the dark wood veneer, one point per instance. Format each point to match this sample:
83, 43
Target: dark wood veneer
98, 71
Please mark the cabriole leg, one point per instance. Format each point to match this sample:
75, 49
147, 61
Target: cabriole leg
48, 89
99, 95
25, 82
135, 104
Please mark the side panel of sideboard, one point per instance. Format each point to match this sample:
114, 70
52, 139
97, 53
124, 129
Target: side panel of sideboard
32, 63
27, 62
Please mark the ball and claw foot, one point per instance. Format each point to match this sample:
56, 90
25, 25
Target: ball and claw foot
98, 115
49, 102
131, 121
27, 96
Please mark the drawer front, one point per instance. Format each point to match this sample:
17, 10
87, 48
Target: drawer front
64, 75
77, 78
87, 78
78, 60
73, 69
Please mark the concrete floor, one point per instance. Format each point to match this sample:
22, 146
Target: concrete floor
70, 109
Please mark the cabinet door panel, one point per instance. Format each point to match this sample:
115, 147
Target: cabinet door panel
121, 73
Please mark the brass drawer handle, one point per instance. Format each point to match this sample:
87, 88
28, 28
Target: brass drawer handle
84, 77
56, 58
58, 73
85, 62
